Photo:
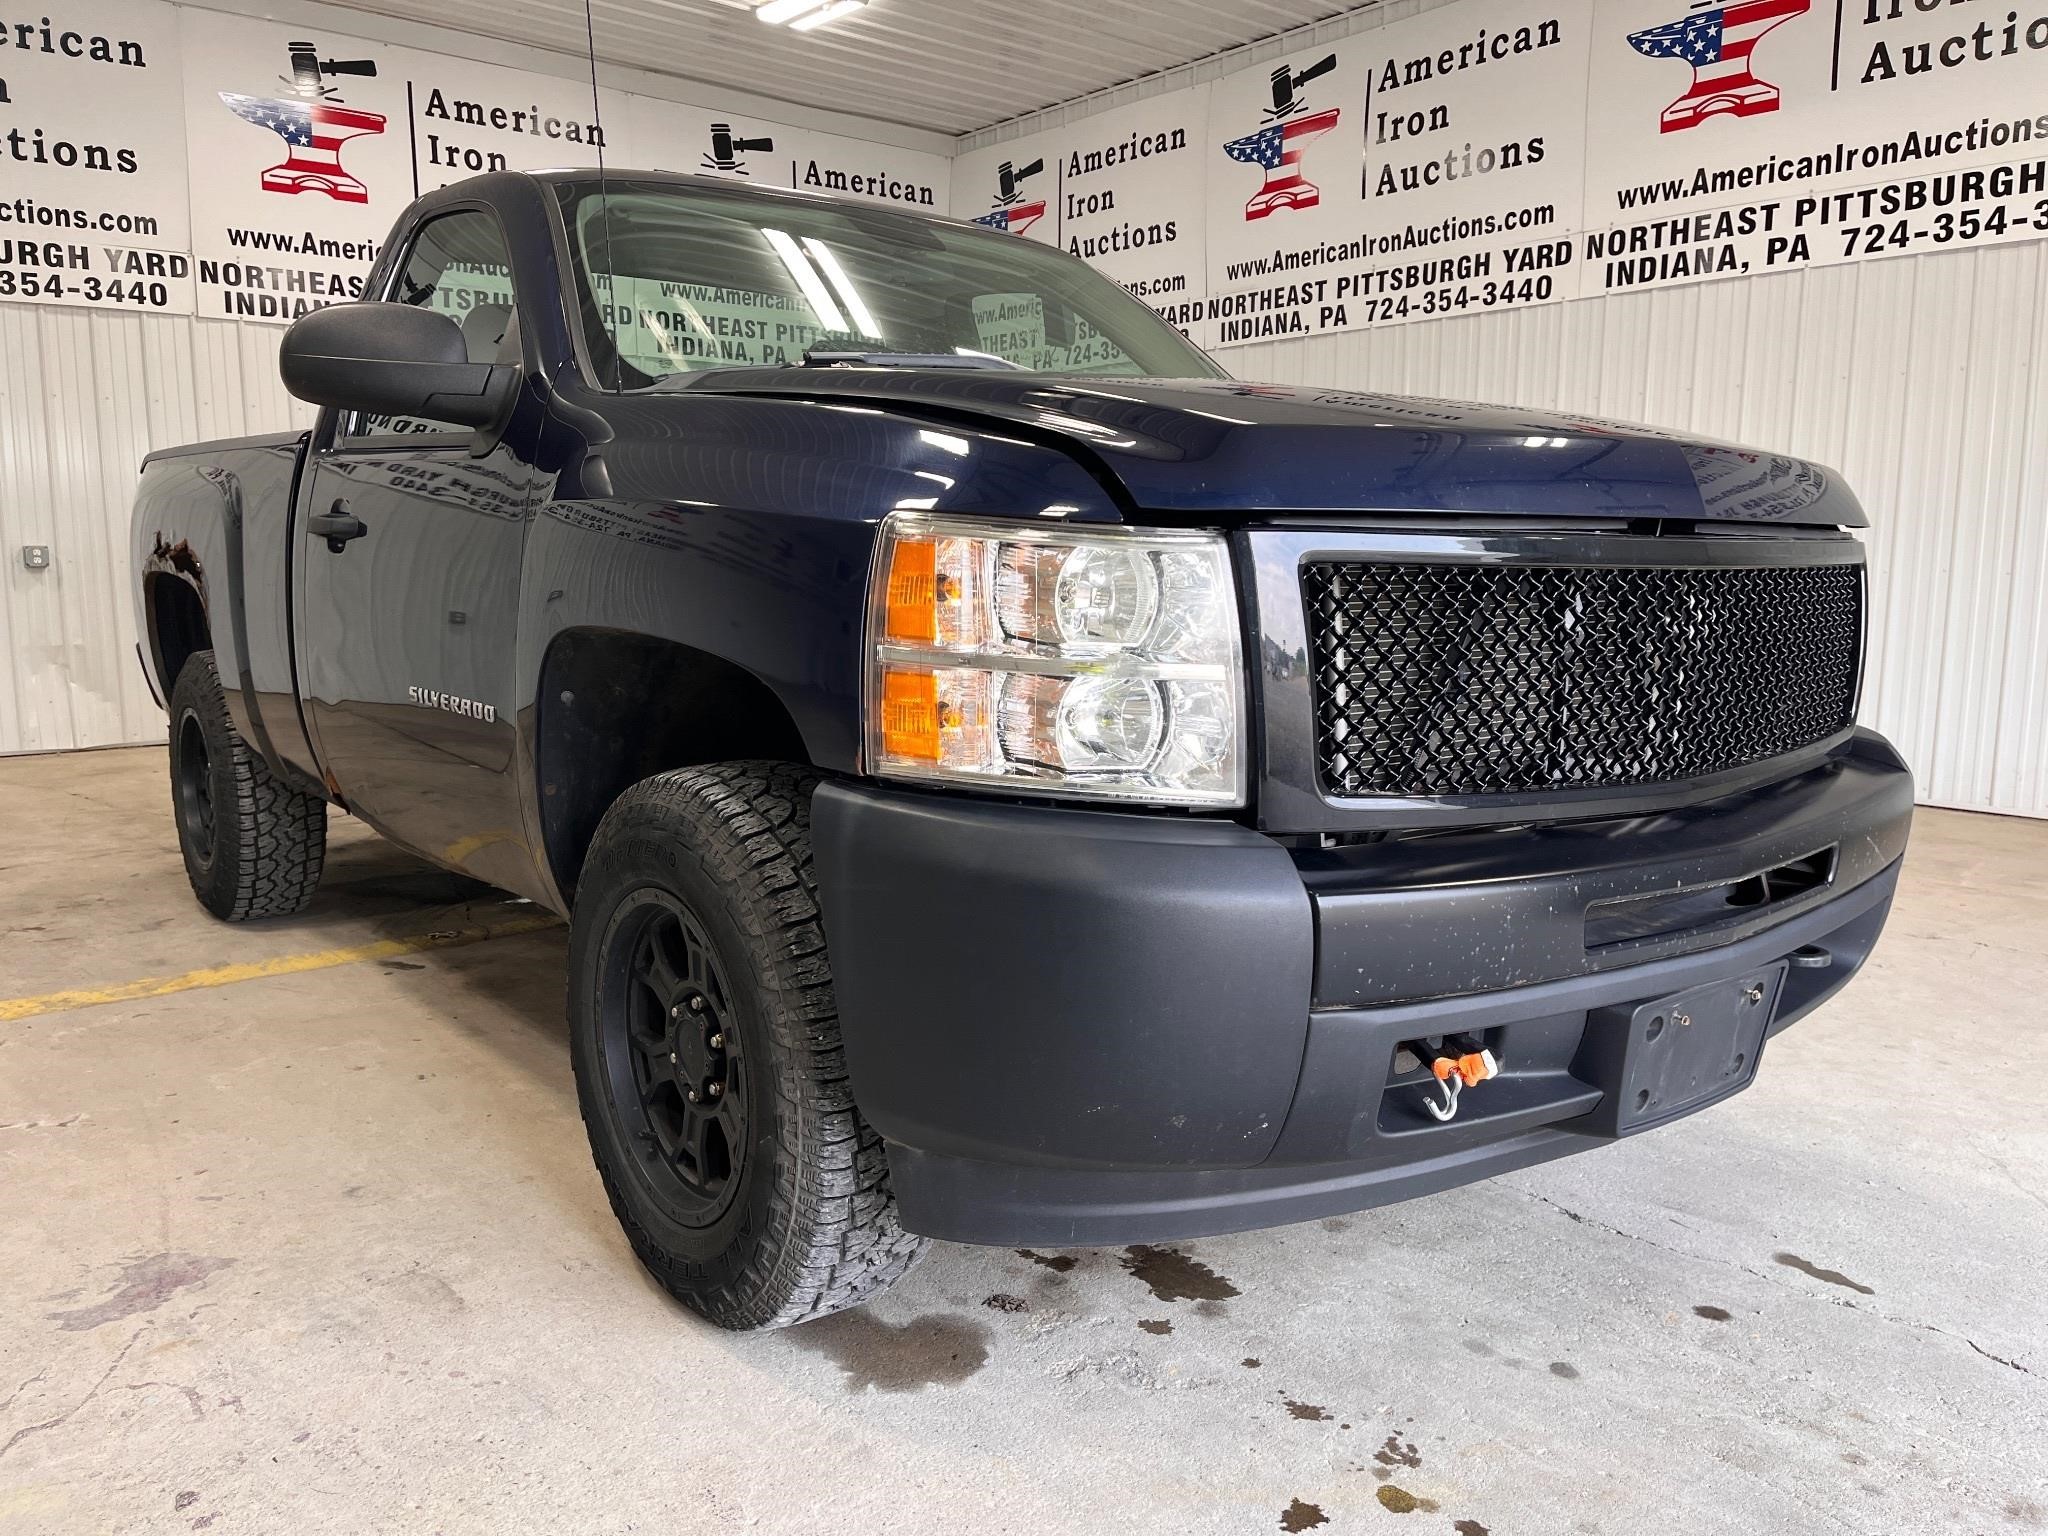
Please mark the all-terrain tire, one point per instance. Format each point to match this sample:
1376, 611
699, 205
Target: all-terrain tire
714, 865
253, 845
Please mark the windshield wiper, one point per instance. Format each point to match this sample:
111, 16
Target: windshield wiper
822, 358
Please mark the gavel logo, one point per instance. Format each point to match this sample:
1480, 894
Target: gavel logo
726, 149
1286, 83
1008, 176
309, 69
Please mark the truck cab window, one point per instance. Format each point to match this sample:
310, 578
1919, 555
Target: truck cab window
684, 280
459, 265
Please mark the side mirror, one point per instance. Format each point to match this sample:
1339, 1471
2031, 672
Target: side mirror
392, 360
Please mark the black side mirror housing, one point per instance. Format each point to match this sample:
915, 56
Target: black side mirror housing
392, 360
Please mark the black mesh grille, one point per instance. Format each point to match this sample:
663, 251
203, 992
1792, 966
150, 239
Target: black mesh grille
1505, 679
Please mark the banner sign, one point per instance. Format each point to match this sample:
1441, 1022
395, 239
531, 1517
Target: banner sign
1420, 170
1482, 155
714, 141
1493, 154
304, 137
1769, 135
1124, 190
93, 209
464, 118
311, 143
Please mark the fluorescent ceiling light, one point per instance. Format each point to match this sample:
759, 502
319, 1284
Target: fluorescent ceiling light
802, 15
828, 313
863, 318
820, 17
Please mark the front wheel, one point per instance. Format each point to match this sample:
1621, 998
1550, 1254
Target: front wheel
708, 1060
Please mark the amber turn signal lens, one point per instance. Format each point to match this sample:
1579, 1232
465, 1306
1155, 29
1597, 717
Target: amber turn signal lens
913, 594
910, 714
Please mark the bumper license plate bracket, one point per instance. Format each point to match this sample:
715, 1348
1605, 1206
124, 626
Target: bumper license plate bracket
1667, 1057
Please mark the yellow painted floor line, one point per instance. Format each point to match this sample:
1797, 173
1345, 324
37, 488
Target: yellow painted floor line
527, 921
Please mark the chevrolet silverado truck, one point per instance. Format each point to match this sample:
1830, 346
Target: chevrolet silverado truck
1008, 781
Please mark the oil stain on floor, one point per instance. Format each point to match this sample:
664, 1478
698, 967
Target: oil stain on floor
1058, 1263
1302, 1516
1173, 1276
144, 1285
1396, 1500
939, 1350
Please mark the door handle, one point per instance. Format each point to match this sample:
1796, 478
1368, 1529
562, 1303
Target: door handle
336, 526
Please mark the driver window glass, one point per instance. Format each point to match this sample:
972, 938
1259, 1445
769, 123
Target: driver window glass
458, 264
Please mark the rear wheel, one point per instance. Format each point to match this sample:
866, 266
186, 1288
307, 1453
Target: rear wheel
708, 1060
253, 845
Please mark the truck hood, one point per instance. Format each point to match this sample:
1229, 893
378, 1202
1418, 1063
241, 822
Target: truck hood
1215, 446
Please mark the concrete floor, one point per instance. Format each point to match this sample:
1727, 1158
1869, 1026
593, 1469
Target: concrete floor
324, 1251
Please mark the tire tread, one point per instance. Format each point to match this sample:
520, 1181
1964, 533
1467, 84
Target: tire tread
270, 841
841, 1242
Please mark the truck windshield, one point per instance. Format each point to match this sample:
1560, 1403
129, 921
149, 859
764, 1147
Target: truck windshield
677, 279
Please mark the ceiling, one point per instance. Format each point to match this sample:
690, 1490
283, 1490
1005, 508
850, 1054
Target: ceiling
951, 66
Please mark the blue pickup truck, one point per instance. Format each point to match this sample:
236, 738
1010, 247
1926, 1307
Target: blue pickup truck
1009, 781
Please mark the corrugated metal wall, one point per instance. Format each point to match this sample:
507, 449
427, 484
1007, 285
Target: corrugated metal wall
1923, 379
83, 396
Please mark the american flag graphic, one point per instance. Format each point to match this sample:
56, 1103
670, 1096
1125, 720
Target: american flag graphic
313, 132
1278, 149
1014, 221
1717, 44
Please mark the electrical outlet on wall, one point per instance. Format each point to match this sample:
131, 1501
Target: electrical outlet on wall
36, 556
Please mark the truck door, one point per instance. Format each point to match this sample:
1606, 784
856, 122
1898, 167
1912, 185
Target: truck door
408, 575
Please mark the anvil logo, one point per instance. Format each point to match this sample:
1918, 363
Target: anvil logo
1717, 44
1013, 214
1278, 147
313, 126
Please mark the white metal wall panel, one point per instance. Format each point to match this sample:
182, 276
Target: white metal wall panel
83, 395
1921, 379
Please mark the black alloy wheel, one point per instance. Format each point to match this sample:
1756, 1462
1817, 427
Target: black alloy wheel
675, 1049
194, 782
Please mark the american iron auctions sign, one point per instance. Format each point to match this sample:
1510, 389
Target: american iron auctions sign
92, 204
1422, 169
1796, 133
1481, 155
1491, 154
311, 143
1124, 190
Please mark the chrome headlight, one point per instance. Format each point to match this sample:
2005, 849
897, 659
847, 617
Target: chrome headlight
1103, 663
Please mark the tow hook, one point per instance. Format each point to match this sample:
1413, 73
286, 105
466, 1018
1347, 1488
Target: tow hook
1454, 1074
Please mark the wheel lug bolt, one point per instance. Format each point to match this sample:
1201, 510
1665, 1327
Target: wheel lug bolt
696, 1005
676, 1012
671, 1058
717, 1089
693, 1095
718, 1042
